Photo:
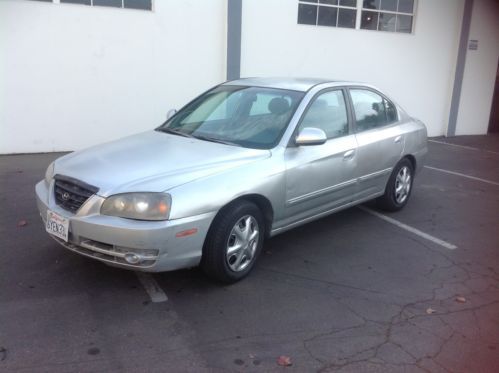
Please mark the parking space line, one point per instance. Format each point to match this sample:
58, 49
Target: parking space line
463, 146
462, 175
408, 228
152, 288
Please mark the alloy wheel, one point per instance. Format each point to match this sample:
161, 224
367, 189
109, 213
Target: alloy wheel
402, 184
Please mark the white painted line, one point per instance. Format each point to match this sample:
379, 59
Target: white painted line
463, 146
462, 175
149, 283
408, 228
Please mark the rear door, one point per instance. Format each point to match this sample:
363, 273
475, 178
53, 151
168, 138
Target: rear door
322, 177
380, 140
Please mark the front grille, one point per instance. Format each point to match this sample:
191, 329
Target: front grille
71, 193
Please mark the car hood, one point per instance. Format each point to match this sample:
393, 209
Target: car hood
152, 161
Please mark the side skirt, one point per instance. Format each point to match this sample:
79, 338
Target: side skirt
295, 224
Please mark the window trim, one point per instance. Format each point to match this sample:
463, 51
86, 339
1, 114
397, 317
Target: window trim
354, 118
350, 119
359, 8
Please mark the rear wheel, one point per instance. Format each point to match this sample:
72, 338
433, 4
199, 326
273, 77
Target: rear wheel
398, 188
234, 242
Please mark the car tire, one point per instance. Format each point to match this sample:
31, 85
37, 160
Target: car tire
234, 242
399, 187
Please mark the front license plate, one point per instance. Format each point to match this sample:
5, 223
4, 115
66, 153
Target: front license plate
57, 225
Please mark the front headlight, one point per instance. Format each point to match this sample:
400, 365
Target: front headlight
139, 206
49, 174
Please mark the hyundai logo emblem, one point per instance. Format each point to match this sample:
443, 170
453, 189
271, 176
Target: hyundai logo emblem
65, 196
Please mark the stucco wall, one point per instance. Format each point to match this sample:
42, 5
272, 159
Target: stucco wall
415, 69
75, 75
72, 75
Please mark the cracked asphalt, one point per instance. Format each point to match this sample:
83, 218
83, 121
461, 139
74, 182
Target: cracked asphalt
348, 293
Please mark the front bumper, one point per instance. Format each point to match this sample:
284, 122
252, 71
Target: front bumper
109, 238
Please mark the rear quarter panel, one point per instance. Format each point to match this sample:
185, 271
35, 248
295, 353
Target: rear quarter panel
415, 141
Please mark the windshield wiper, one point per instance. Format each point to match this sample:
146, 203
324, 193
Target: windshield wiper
200, 137
206, 138
174, 132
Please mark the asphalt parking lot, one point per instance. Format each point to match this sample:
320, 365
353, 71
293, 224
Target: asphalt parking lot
353, 292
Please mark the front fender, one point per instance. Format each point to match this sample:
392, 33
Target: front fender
210, 194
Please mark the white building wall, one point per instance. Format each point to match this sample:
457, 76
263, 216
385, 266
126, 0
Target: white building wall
480, 70
73, 75
415, 69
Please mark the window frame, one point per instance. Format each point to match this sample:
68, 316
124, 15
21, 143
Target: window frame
359, 8
352, 109
350, 119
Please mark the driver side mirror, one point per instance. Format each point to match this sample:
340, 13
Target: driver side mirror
310, 136
171, 113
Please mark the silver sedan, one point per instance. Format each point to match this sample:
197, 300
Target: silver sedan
244, 161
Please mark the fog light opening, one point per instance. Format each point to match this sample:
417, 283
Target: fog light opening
132, 258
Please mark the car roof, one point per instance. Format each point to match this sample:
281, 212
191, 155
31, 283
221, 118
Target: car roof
295, 84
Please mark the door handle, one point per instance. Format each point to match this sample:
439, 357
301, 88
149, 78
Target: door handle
398, 139
349, 154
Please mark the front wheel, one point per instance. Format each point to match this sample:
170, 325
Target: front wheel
234, 242
398, 188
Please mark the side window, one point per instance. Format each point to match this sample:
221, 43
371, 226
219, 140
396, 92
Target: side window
391, 112
327, 112
371, 110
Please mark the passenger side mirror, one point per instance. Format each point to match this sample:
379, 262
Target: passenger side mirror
310, 136
171, 113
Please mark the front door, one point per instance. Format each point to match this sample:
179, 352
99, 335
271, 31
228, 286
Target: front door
322, 177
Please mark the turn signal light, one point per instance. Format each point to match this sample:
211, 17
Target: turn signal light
188, 232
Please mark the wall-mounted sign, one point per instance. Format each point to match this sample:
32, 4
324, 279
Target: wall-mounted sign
473, 45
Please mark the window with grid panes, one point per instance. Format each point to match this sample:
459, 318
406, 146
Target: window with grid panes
333, 13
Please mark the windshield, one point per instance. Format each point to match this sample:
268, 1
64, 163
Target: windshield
252, 117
